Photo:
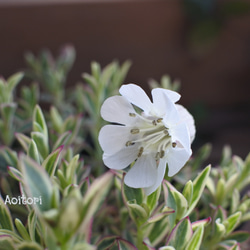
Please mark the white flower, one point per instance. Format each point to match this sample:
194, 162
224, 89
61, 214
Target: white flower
160, 135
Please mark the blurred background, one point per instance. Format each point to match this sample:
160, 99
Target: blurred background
204, 44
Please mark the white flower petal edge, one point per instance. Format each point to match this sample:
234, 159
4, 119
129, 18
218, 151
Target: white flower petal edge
188, 119
110, 138
121, 159
136, 96
143, 173
179, 133
116, 109
176, 159
161, 169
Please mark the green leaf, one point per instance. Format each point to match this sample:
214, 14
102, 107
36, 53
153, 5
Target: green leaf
36, 182
114, 242
177, 202
71, 169
232, 222
56, 119
51, 161
170, 201
138, 213
231, 183
106, 242
196, 239
239, 236
152, 199
159, 214
32, 223
158, 231
23, 140
8, 111
211, 185
199, 223
14, 80
29, 246
94, 196
133, 194
62, 140
181, 234
14, 236
124, 244
219, 230
70, 215
90, 80
220, 192
226, 156
198, 187
188, 191
181, 204
95, 70
9, 155
6, 242
230, 245
14, 173
235, 201
22, 230
33, 151
167, 248
41, 143
5, 216
83, 245
39, 124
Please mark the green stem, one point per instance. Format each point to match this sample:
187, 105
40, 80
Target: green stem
139, 239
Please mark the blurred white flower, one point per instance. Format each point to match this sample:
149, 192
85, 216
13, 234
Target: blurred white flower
161, 134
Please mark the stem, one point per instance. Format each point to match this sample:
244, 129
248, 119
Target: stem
139, 239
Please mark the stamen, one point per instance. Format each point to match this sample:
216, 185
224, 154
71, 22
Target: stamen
166, 131
157, 157
140, 152
174, 144
132, 114
159, 120
154, 122
134, 131
162, 153
129, 143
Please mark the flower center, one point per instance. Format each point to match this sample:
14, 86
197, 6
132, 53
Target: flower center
152, 137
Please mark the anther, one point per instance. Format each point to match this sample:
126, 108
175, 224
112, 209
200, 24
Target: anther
157, 157
154, 122
174, 144
134, 131
140, 152
159, 120
162, 153
166, 132
132, 114
129, 143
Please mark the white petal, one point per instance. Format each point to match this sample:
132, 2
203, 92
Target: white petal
117, 109
176, 159
113, 138
143, 173
172, 95
160, 175
121, 159
180, 133
188, 119
164, 106
136, 96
